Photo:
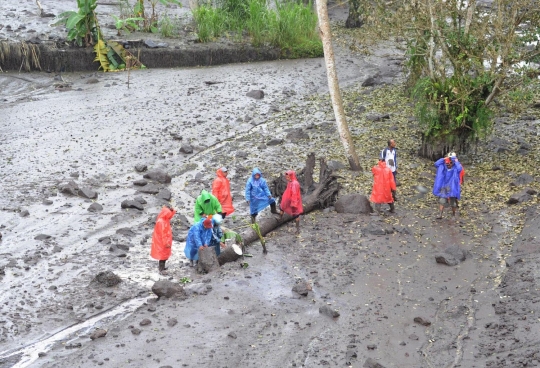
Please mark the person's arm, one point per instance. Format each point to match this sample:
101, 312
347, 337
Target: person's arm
439, 162
395, 158
265, 188
248, 191
457, 164
217, 205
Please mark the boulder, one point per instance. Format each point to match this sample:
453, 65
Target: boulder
371, 81
208, 260
24, 213
256, 94
329, 311
520, 197
451, 256
108, 278
371, 363
353, 203
128, 203
95, 207
164, 194
88, 193
149, 189
98, 333
141, 167
168, 289
42, 237
522, 179
422, 321
71, 188
158, 175
296, 135
302, 287
274, 142
140, 199
186, 148
140, 183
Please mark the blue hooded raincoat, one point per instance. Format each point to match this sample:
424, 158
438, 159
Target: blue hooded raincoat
447, 181
198, 236
257, 193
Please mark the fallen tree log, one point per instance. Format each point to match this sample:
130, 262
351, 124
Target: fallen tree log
230, 254
316, 195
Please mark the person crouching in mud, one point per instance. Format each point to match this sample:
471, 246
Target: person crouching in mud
258, 195
217, 234
291, 200
205, 205
447, 184
162, 238
384, 186
199, 235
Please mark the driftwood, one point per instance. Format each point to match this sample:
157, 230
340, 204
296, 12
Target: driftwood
230, 254
315, 195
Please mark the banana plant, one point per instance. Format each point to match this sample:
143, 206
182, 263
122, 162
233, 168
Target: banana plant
81, 25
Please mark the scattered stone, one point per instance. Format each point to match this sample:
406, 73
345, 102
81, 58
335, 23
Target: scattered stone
74, 174
232, 335
256, 94
140, 199
172, 322
329, 311
24, 213
145, 322
522, 179
98, 333
371, 81
378, 228
135, 331
158, 175
302, 287
511, 261
520, 197
422, 321
108, 278
73, 345
88, 193
132, 204
168, 289
297, 134
47, 202
149, 189
274, 142
126, 231
151, 44
140, 183
413, 337
336, 165
208, 260
186, 148
92, 81
353, 203
95, 207
377, 117
370, 363
42, 237
372, 347
164, 194
242, 154
141, 167
196, 288
451, 256
41, 354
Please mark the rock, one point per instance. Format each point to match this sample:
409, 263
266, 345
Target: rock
370, 363
511, 261
0, 236
208, 260
500, 145
74, 174
531, 191
353, 203
42, 237
47, 202
522, 179
371, 81
151, 44
413, 337
140, 183
149, 189
108, 278
256, 94
126, 231
241, 154
520, 197
92, 81
135, 331
145, 322
186, 148
336, 165
196, 288
41, 354
172, 322
296, 134
158, 175
302, 287
329, 311
451, 256
378, 228
98, 333
372, 347
88, 193
422, 321
24, 213
95, 207
141, 167
73, 345
274, 142
232, 335
421, 189
140, 199
164, 194
168, 289
131, 204
377, 117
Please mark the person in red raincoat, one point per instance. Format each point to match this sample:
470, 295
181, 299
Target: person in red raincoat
291, 200
384, 186
221, 189
162, 238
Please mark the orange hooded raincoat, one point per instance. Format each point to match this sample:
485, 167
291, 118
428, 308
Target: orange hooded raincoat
162, 236
221, 189
291, 200
383, 184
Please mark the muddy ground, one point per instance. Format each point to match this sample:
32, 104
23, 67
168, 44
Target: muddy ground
378, 272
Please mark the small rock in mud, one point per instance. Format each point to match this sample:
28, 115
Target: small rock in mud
74, 345
128, 203
108, 278
141, 167
140, 199
126, 231
172, 322
145, 322
149, 189
371, 363
197, 288
520, 197
105, 240
135, 331
336, 165
140, 183
92, 81
522, 179
0, 236
168, 289
95, 207
372, 347
371, 81
302, 287
164, 194
413, 337
98, 333
510, 261
329, 311
232, 335
41, 354
158, 175
422, 321
353, 203
378, 228
186, 148
47, 202
297, 134
24, 213
274, 142
88, 193
256, 94
451, 256
42, 237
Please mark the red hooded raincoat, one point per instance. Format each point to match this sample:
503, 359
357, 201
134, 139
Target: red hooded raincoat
221, 189
291, 200
383, 184
162, 237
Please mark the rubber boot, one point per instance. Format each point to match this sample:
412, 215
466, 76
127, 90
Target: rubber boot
161, 267
392, 208
273, 208
297, 227
253, 219
440, 215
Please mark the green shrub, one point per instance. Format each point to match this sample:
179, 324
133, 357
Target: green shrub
211, 22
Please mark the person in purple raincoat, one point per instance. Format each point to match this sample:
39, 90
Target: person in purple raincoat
447, 184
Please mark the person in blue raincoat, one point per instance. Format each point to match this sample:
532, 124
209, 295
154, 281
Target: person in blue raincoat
217, 234
258, 195
447, 184
199, 235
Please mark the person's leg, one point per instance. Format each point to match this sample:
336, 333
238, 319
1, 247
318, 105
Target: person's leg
377, 207
392, 207
254, 218
273, 207
453, 204
297, 220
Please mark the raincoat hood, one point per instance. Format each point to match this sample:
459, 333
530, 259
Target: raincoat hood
255, 172
220, 173
204, 195
382, 164
291, 174
166, 214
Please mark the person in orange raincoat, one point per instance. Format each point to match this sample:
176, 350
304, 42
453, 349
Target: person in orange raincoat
291, 200
384, 186
221, 189
162, 238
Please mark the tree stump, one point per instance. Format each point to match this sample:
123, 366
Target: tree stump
230, 254
208, 260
